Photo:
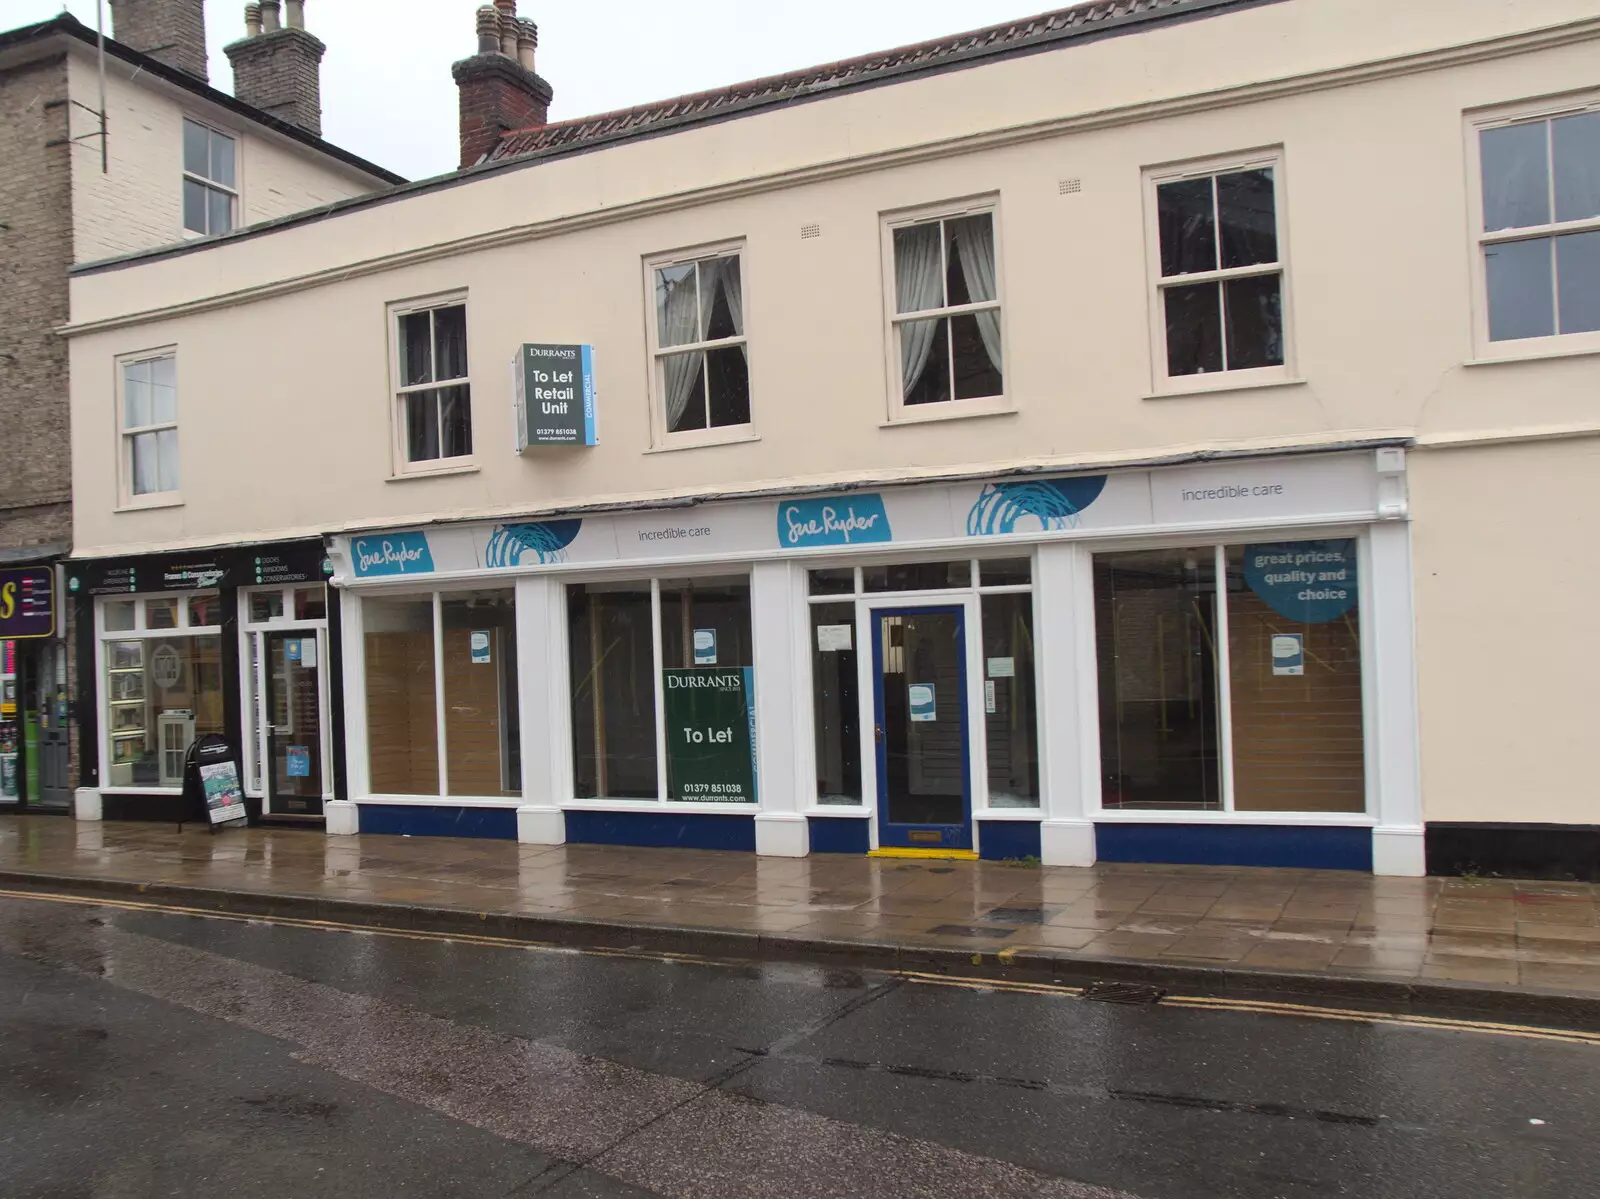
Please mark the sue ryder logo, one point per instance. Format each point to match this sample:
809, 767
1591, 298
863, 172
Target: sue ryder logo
836, 520
395, 554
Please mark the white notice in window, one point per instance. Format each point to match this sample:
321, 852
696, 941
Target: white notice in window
308, 653
1002, 668
831, 637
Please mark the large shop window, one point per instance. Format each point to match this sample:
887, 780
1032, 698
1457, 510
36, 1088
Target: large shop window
662, 677
162, 671
1230, 678
442, 713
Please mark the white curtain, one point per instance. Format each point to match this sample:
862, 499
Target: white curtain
724, 273
680, 325
917, 287
975, 244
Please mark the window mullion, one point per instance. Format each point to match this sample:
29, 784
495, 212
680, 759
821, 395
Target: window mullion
1224, 678
438, 695
657, 681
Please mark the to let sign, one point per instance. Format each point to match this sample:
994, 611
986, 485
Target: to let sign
711, 740
27, 603
554, 387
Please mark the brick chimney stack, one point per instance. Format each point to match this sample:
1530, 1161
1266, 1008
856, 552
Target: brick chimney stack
499, 90
173, 31
277, 67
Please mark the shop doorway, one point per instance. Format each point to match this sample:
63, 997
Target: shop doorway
919, 666
293, 722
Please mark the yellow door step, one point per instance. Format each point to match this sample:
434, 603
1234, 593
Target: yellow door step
899, 851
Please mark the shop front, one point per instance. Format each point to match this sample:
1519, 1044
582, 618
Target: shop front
35, 744
237, 642
1198, 662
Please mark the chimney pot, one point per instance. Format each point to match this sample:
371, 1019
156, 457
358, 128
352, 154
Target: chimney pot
499, 90
527, 42
295, 14
252, 19
488, 30
172, 31
269, 16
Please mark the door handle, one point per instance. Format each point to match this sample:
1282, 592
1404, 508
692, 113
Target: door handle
878, 732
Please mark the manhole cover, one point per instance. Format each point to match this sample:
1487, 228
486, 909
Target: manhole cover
1123, 993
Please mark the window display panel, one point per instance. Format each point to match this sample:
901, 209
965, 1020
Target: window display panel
705, 622
1011, 715
1294, 647
835, 705
161, 693
611, 660
402, 711
482, 735
1155, 633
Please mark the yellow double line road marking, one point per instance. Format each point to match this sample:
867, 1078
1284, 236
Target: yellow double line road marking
1258, 1007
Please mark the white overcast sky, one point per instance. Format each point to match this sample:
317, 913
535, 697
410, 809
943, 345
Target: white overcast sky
388, 96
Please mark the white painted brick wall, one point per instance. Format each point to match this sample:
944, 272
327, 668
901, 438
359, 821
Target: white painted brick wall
139, 202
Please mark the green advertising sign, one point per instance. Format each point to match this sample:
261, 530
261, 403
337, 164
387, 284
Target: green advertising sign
711, 734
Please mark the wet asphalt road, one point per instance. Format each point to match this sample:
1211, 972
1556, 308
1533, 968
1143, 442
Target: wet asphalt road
150, 1054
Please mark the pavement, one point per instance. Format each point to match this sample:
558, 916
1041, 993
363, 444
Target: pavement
1527, 947
148, 1052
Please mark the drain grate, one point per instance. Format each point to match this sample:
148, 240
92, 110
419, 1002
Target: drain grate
1124, 993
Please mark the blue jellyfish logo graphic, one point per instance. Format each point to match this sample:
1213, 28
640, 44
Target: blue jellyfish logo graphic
546, 541
1052, 503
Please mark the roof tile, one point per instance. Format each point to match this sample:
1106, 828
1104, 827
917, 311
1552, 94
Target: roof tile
1017, 35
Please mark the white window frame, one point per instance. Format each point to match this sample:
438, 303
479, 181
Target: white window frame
899, 412
1219, 542
564, 730
126, 433
140, 632
251, 690
1156, 284
403, 466
1557, 344
235, 193
355, 650
660, 437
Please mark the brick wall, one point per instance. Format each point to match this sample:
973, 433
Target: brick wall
280, 72
173, 31
497, 95
35, 251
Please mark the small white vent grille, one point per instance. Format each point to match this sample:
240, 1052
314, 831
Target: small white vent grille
809, 231
1070, 187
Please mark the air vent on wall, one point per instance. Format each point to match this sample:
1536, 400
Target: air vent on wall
1070, 187
810, 231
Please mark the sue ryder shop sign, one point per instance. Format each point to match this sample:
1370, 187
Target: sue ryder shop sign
711, 739
555, 400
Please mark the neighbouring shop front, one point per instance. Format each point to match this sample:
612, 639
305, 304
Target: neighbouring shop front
35, 743
240, 642
1193, 663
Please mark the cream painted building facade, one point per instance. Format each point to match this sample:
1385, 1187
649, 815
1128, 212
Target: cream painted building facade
1166, 437
173, 161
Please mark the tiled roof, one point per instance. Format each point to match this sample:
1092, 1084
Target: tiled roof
1033, 33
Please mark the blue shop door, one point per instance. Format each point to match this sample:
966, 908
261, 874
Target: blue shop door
919, 660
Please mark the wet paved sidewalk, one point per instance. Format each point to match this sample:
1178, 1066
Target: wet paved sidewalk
1541, 936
